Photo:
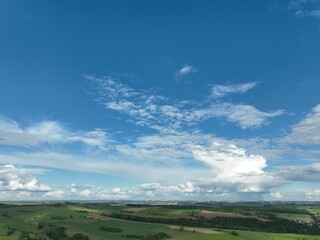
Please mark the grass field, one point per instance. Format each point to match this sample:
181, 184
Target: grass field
291, 216
274, 236
86, 219
314, 209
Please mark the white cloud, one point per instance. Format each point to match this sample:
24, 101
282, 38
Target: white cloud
276, 195
312, 193
232, 165
20, 179
312, 13
85, 193
16, 195
297, 4
73, 188
229, 162
307, 131
307, 173
156, 112
47, 132
167, 158
222, 90
246, 116
304, 8
155, 191
112, 164
54, 194
158, 159
185, 70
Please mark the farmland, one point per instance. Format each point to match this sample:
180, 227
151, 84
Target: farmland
156, 221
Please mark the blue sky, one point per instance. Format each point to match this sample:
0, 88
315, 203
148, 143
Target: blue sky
160, 100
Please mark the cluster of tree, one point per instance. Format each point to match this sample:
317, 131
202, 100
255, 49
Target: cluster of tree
133, 236
158, 236
277, 209
58, 217
79, 236
24, 210
55, 204
82, 211
6, 215
10, 231
51, 232
246, 209
276, 225
234, 233
110, 229
315, 218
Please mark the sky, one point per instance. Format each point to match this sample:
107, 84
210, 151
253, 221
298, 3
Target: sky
160, 100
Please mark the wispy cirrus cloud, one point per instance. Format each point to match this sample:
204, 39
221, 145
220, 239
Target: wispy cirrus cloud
307, 173
304, 8
307, 131
312, 13
47, 132
218, 91
246, 116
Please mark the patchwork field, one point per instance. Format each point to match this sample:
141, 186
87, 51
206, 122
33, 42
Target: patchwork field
182, 221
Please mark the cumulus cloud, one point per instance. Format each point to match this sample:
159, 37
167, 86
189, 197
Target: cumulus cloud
73, 188
312, 193
231, 164
47, 132
152, 191
276, 195
20, 179
307, 131
85, 193
218, 91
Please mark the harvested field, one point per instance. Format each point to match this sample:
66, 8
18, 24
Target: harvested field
199, 230
97, 216
134, 209
211, 214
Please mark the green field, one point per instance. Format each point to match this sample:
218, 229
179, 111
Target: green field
292, 216
88, 219
274, 236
